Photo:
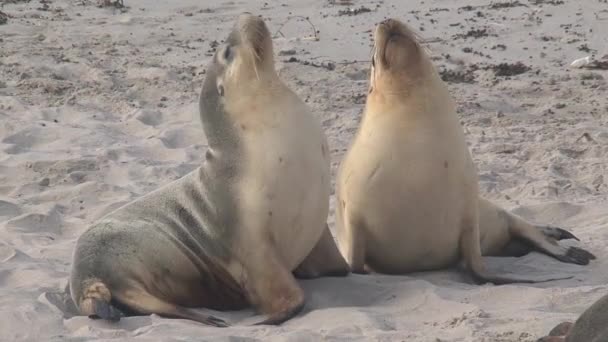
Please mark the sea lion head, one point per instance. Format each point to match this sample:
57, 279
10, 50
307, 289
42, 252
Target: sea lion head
399, 62
241, 69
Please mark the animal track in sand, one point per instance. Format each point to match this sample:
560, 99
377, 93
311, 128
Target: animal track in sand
36, 223
179, 138
150, 117
9, 209
27, 138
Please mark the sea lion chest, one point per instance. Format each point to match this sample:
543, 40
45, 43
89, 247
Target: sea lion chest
285, 186
406, 180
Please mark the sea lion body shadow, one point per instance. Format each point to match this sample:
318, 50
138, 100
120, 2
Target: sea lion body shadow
407, 188
233, 232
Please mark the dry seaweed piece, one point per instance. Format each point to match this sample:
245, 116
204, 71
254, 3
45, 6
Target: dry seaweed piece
454, 76
109, 3
599, 65
507, 4
476, 33
354, 11
547, 2
341, 2
509, 69
325, 65
3, 18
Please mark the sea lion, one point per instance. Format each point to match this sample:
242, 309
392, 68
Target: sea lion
407, 192
230, 233
591, 326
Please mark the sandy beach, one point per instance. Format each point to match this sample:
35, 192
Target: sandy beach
99, 106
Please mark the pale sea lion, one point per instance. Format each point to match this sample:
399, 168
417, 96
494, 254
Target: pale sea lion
591, 326
230, 233
407, 192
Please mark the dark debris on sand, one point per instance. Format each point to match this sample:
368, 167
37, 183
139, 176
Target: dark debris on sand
325, 65
547, 2
508, 4
476, 33
354, 11
453, 76
597, 65
509, 69
3, 18
110, 3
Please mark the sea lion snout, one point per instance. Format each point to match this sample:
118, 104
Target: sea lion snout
396, 45
391, 29
254, 32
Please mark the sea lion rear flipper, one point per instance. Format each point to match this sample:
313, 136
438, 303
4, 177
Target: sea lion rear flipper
544, 240
144, 303
556, 233
324, 260
105, 310
271, 287
471, 254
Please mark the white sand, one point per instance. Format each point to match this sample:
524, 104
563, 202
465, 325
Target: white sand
98, 107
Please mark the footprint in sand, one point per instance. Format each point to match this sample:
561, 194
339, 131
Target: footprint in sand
150, 117
8, 210
180, 137
8, 253
36, 223
27, 138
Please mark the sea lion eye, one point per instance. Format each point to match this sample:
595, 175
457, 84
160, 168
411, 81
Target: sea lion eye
228, 54
373, 61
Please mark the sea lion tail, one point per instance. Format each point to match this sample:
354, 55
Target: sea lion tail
95, 301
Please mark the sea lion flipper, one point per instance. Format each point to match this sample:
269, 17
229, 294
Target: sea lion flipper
556, 233
546, 241
471, 254
324, 260
144, 303
353, 243
105, 310
271, 287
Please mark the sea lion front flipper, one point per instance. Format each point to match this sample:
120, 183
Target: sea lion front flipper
324, 260
352, 242
271, 287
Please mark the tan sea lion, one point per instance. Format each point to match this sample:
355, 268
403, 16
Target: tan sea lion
591, 326
231, 233
407, 192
